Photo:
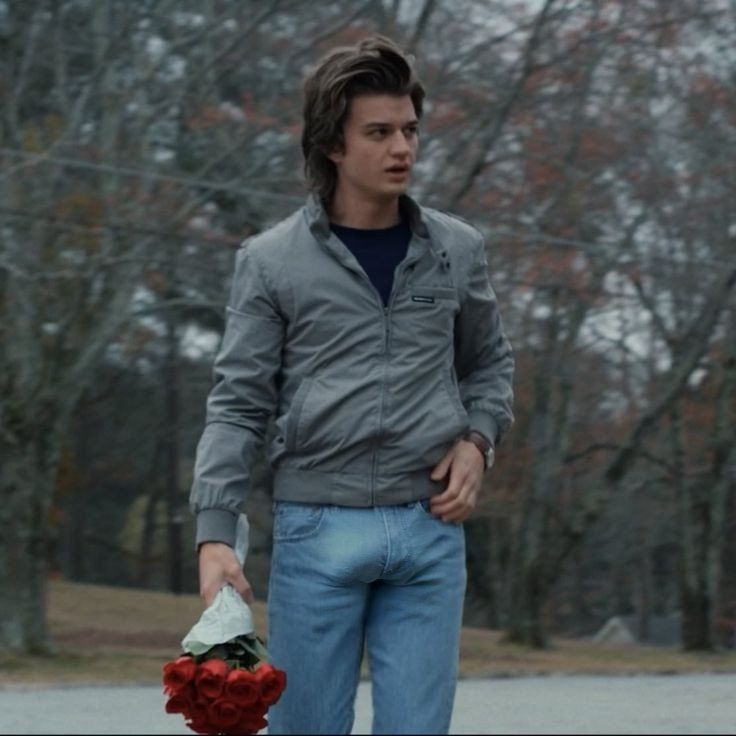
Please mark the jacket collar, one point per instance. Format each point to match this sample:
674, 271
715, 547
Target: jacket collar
319, 222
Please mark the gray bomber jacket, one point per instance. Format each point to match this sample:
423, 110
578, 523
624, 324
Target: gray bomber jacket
367, 399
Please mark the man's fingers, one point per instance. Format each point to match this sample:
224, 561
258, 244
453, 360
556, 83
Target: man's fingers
209, 591
455, 506
459, 510
458, 479
458, 500
443, 507
218, 566
445, 500
234, 576
447, 505
440, 470
242, 585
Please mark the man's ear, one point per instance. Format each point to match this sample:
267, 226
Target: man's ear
336, 156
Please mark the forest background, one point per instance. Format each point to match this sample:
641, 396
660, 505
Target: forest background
594, 145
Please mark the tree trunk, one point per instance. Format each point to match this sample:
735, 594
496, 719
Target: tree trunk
526, 617
643, 587
695, 605
701, 552
697, 615
145, 555
76, 563
174, 516
702, 520
26, 483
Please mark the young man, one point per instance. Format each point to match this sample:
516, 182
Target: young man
367, 325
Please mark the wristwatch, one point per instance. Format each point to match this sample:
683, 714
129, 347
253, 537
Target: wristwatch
483, 444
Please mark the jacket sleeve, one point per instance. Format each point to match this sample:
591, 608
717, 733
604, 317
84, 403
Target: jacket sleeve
240, 403
484, 360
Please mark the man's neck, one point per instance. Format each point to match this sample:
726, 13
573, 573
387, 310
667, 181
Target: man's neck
365, 214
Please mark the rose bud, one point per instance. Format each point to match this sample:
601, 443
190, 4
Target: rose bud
272, 682
179, 673
251, 723
223, 714
242, 688
210, 678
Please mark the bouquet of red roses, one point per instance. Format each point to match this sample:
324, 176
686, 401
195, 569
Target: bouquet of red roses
223, 682
224, 691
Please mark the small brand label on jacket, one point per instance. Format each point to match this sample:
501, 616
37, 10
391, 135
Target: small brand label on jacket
423, 299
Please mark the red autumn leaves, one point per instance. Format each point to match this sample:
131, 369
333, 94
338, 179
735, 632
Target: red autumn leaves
215, 698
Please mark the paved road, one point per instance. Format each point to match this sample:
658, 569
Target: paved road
678, 704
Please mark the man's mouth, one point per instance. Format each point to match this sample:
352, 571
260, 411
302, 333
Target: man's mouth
399, 169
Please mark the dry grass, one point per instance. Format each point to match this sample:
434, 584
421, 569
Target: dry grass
483, 653
120, 635
107, 634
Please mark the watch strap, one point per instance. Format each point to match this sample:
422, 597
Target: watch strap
482, 443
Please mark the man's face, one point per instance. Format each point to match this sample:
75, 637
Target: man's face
380, 147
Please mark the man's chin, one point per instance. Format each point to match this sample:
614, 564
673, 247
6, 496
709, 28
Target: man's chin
388, 191
395, 189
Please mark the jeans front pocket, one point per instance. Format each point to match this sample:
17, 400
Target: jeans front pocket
426, 511
425, 508
294, 521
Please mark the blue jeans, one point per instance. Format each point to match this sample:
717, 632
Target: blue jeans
390, 576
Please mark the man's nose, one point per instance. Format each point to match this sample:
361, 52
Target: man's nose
399, 144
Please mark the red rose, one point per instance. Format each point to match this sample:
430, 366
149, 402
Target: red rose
250, 723
202, 726
223, 714
272, 682
198, 720
242, 688
210, 679
182, 701
201, 699
179, 673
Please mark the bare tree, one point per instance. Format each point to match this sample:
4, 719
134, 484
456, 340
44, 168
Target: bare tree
128, 125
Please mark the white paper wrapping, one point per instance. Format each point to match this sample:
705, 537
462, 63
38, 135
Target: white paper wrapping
229, 615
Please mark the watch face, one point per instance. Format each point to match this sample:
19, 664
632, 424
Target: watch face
489, 456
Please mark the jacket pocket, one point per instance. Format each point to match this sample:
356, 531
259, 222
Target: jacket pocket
424, 319
330, 420
453, 394
429, 295
297, 405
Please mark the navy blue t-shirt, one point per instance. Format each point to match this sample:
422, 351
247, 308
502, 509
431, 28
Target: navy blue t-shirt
377, 251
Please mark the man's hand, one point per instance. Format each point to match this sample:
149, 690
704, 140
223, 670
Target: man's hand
218, 566
465, 464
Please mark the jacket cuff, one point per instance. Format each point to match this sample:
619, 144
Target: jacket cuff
216, 525
483, 422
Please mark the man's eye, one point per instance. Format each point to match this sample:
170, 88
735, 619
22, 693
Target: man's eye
378, 132
413, 130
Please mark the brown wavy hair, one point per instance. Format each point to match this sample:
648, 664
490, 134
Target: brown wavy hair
376, 65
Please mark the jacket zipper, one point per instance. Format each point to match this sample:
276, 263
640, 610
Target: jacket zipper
386, 311
386, 315
377, 444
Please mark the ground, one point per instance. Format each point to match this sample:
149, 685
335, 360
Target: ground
115, 635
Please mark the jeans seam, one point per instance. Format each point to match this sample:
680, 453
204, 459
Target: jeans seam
409, 560
386, 564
